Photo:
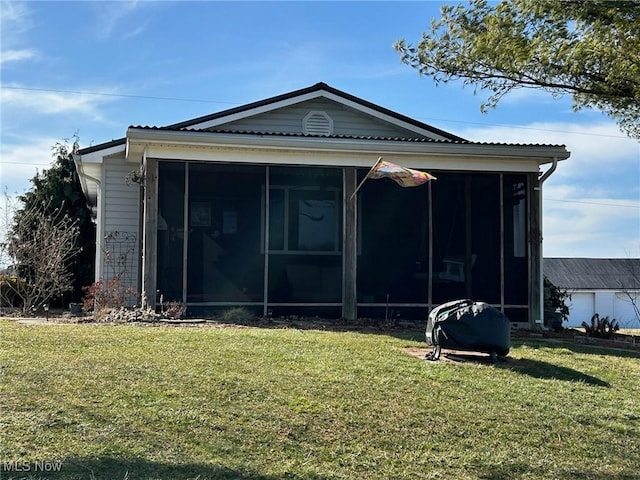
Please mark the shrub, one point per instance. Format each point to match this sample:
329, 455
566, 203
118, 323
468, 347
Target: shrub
556, 310
174, 310
109, 294
237, 315
124, 315
601, 327
10, 286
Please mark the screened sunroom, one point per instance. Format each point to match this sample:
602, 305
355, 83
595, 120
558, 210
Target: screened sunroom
271, 238
265, 207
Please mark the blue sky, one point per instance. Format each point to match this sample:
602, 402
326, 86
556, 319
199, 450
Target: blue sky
94, 68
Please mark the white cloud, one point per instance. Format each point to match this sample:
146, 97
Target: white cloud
290, 65
137, 31
591, 228
526, 95
591, 203
577, 224
595, 148
112, 15
16, 55
48, 102
14, 22
556, 133
14, 16
19, 162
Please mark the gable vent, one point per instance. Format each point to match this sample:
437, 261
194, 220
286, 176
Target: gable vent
317, 123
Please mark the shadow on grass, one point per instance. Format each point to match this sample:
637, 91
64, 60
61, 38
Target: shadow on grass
610, 349
524, 366
517, 470
408, 330
546, 370
110, 468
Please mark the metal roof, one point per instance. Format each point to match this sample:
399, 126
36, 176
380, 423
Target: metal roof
593, 273
340, 136
185, 126
298, 134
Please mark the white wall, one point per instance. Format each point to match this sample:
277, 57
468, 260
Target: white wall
613, 304
121, 220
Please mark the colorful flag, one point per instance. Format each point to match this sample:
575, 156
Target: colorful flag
405, 177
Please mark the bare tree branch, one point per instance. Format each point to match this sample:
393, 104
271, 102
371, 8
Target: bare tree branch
39, 247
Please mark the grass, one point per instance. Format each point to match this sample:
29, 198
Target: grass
132, 402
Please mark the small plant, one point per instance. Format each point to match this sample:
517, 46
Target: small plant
109, 294
237, 315
103, 315
124, 315
555, 309
601, 327
174, 310
10, 286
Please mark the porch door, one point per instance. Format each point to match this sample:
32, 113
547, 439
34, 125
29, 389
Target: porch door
466, 237
170, 232
393, 256
224, 261
305, 236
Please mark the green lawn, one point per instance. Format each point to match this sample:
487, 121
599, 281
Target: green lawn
116, 402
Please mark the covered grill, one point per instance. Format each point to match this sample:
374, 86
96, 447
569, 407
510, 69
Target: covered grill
470, 326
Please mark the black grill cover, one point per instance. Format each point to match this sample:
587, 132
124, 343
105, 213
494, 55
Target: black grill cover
469, 325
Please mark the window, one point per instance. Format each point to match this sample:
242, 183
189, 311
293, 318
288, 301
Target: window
304, 220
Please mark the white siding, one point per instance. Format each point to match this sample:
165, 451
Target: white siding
581, 308
121, 233
613, 304
624, 311
346, 121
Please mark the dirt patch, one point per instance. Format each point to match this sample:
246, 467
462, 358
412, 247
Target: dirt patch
455, 356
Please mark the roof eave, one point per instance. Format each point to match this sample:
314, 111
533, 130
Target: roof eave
138, 139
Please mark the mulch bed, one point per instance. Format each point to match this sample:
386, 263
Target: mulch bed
618, 340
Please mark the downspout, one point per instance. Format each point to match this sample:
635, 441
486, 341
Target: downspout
543, 178
548, 173
95, 211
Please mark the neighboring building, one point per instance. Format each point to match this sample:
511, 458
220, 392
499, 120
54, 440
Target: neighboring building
254, 207
609, 287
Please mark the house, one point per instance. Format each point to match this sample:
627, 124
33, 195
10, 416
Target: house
254, 206
609, 287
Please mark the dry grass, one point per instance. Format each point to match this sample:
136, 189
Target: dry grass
185, 403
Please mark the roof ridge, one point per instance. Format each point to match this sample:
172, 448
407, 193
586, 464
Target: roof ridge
319, 86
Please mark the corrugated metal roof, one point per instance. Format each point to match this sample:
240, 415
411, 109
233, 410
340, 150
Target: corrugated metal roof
299, 134
341, 136
593, 273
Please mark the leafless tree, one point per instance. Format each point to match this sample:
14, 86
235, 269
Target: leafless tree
38, 247
7, 294
631, 285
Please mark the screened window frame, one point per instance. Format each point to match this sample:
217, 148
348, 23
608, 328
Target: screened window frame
337, 193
